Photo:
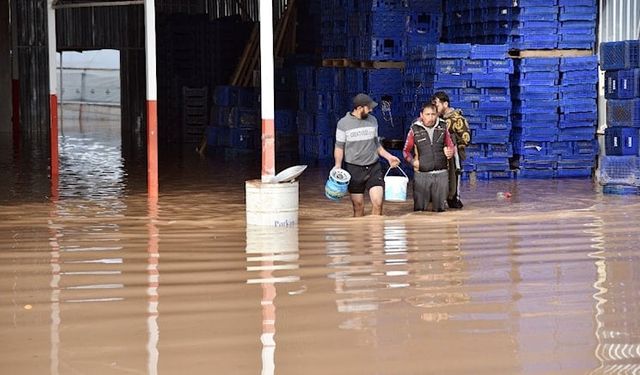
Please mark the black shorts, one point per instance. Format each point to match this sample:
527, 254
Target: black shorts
364, 177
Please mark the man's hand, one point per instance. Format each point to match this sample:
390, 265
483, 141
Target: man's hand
394, 161
416, 165
448, 152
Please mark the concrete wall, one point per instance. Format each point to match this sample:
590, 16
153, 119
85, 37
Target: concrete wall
5, 68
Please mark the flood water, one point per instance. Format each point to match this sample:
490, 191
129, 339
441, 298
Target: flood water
94, 279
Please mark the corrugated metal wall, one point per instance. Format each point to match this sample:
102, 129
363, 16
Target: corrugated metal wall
33, 59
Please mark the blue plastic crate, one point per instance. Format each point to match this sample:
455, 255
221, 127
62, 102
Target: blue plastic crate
536, 134
473, 66
285, 122
495, 136
498, 150
499, 66
497, 122
535, 173
578, 63
448, 66
469, 94
536, 3
531, 148
491, 175
578, 91
620, 55
624, 170
574, 172
624, 112
621, 141
245, 139
226, 95
577, 2
577, 134
538, 78
453, 51
615, 189
622, 84
486, 51
578, 13
540, 64
305, 123
579, 77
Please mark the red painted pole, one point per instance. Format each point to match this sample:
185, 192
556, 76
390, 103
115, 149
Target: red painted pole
152, 98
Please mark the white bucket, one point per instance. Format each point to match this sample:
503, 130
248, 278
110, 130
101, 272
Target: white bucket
269, 204
395, 187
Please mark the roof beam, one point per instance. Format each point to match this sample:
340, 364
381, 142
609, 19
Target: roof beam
92, 4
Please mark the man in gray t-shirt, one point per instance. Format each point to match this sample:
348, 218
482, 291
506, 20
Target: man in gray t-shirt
357, 144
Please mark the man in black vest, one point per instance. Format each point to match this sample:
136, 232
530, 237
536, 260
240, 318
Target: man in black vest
428, 149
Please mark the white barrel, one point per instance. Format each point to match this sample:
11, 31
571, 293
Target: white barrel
269, 204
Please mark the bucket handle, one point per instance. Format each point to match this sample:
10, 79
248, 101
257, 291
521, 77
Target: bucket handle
390, 168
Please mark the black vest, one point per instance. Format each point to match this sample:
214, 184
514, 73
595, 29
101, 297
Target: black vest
430, 152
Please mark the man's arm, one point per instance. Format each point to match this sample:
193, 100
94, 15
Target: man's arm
338, 155
408, 147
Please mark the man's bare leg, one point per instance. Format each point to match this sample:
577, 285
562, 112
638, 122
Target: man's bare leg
358, 204
376, 194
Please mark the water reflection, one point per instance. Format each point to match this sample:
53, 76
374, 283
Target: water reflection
617, 327
153, 282
270, 250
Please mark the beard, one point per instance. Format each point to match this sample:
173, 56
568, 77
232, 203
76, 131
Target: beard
364, 116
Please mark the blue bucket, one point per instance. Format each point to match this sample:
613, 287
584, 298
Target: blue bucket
337, 183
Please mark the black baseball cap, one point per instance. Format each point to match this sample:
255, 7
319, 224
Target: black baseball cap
362, 100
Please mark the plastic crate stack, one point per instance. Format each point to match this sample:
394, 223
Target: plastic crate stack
555, 114
577, 146
321, 100
376, 29
422, 35
577, 24
422, 26
235, 124
476, 77
620, 168
418, 79
531, 24
235, 128
535, 119
334, 16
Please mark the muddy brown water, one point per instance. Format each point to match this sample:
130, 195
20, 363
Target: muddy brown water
100, 281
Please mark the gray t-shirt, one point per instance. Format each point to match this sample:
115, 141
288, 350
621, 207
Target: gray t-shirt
359, 139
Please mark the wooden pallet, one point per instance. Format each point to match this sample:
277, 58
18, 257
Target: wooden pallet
348, 63
550, 53
338, 63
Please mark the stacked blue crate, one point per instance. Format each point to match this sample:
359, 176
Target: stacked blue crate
527, 24
334, 19
320, 104
375, 29
385, 87
476, 78
578, 115
577, 24
620, 168
417, 80
535, 120
422, 33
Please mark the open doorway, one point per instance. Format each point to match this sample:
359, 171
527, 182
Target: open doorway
89, 83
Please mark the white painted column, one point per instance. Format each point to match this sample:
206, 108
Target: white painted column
267, 90
53, 98
152, 99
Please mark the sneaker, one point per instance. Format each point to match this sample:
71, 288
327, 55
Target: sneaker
455, 203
